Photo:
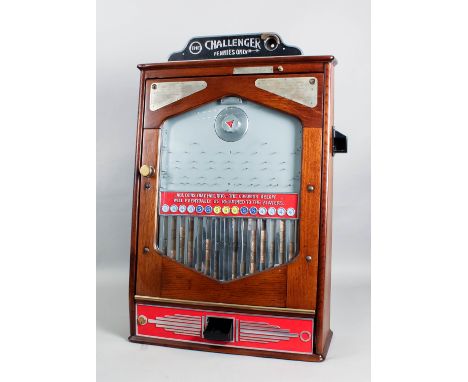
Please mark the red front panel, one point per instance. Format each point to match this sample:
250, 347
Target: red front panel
232, 204
273, 333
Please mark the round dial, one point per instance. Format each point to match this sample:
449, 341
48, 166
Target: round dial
231, 124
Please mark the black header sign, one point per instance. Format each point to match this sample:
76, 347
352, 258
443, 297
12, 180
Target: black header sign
250, 45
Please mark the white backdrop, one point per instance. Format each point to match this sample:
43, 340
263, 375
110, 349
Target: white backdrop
134, 32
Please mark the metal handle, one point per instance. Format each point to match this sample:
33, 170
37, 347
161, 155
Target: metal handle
340, 142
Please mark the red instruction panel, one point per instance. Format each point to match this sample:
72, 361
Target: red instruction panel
273, 333
229, 204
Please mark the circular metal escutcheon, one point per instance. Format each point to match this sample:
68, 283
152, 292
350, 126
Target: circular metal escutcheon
231, 124
305, 336
142, 320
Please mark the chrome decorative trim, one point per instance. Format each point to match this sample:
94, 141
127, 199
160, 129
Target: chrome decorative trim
263, 332
302, 90
253, 70
165, 93
219, 304
179, 324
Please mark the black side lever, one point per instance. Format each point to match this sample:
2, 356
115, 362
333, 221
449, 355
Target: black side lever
340, 142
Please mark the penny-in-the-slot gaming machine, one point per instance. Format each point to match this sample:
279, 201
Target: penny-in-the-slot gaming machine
231, 225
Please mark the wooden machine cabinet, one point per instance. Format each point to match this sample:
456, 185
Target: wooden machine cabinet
231, 223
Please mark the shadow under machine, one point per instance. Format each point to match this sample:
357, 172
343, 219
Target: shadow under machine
231, 226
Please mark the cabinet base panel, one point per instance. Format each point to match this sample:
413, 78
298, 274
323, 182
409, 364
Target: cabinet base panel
220, 349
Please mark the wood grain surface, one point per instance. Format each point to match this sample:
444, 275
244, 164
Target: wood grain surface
304, 283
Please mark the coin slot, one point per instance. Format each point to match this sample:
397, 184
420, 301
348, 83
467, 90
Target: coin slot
219, 329
271, 42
